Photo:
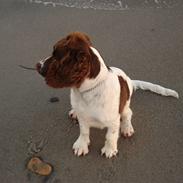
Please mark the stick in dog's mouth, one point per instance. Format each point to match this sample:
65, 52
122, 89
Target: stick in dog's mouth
28, 68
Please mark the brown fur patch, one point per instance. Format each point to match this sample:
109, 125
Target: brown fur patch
124, 93
94, 66
72, 62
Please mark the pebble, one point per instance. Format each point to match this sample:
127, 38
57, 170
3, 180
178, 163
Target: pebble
38, 166
54, 99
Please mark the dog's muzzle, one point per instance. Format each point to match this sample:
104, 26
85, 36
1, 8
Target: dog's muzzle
42, 66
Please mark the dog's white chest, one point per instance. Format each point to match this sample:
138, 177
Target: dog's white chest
100, 104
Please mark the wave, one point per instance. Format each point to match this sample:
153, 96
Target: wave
110, 4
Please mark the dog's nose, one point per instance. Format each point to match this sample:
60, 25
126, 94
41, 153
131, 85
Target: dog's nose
42, 66
40, 69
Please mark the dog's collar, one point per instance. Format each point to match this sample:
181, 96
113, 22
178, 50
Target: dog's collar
93, 88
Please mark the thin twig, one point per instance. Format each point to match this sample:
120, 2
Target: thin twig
28, 68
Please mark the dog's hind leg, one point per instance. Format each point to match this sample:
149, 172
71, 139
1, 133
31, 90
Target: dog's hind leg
73, 115
126, 125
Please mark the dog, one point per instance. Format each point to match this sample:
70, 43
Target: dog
100, 95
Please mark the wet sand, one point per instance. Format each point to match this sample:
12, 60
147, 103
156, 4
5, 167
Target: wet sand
145, 43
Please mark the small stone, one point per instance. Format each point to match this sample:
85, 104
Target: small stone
54, 99
38, 166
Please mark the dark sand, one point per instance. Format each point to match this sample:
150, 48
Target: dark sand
146, 43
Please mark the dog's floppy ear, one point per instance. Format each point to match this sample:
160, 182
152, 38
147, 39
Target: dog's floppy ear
81, 56
80, 43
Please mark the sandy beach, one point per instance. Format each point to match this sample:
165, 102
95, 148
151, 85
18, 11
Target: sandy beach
147, 43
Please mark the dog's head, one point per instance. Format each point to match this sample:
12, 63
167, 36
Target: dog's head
71, 62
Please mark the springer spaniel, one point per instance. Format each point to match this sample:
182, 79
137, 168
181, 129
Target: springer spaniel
100, 95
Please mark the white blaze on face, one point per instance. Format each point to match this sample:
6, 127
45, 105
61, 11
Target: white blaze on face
43, 61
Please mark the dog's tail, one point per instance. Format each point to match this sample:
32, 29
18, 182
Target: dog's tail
154, 88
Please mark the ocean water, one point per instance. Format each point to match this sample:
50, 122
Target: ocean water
111, 4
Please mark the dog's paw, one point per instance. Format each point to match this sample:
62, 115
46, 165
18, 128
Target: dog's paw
108, 151
72, 114
80, 147
127, 129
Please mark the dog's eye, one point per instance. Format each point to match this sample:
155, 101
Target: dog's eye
57, 54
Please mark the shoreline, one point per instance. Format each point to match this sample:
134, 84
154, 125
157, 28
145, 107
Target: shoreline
119, 5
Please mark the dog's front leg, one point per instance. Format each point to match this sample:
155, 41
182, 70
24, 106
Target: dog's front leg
72, 112
80, 147
110, 147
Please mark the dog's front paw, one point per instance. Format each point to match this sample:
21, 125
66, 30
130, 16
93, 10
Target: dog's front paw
80, 147
72, 114
127, 130
109, 151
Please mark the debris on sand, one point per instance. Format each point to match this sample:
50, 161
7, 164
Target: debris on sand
54, 99
38, 166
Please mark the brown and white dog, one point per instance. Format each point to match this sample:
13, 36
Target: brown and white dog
100, 95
